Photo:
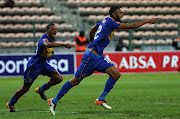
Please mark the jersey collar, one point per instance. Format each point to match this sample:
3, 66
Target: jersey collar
112, 18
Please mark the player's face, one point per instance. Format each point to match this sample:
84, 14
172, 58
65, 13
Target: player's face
119, 15
52, 32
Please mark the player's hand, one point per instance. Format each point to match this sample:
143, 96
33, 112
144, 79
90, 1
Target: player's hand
68, 45
153, 20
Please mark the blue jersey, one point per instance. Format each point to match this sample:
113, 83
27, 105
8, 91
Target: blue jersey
42, 53
104, 34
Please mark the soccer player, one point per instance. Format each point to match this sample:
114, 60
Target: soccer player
38, 65
93, 60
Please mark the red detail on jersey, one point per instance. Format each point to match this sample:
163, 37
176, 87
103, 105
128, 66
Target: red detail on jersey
45, 39
117, 22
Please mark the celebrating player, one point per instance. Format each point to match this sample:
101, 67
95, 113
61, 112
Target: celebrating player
93, 59
38, 65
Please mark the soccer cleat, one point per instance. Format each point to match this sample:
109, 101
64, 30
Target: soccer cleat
43, 96
11, 108
52, 106
102, 103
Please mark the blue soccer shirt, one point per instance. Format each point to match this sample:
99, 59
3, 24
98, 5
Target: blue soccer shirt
104, 34
42, 53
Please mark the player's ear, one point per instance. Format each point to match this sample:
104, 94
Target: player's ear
47, 31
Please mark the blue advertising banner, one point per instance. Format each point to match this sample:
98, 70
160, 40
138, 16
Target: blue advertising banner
15, 65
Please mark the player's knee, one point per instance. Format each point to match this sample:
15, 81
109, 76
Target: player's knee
25, 89
75, 81
58, 80
117, 76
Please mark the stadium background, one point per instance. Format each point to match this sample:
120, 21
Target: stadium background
151, 48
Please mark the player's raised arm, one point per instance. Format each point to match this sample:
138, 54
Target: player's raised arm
53, 44
92, 33
137, 24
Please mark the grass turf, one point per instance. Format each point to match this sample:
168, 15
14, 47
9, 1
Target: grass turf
151, 95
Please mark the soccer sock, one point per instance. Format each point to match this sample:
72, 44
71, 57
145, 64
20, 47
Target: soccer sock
65, 88
109, 85
43, 88
12, 101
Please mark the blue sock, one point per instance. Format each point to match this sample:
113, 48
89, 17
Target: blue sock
109, 85
43, 88
12, 101
65, 88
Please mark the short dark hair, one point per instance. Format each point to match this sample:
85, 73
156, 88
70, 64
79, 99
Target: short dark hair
49, 26
112, 10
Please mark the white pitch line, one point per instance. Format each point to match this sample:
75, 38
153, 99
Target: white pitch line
165, 103
24, 111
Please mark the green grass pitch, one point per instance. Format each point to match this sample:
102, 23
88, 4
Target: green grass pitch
141, 96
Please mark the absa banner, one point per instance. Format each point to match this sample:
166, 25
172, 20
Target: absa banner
142, 61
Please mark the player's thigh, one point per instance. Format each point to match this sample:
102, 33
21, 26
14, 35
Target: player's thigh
75, 81
113, 72
31, 74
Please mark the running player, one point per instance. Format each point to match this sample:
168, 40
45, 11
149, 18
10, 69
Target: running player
93, 59
38, 65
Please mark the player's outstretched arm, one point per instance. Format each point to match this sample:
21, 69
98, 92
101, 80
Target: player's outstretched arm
51, 44
92, 33
137, 24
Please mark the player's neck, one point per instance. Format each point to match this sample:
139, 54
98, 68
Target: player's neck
112, 18
49, 37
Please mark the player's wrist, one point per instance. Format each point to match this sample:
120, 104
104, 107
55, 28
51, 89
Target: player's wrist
61, 44
148, 21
